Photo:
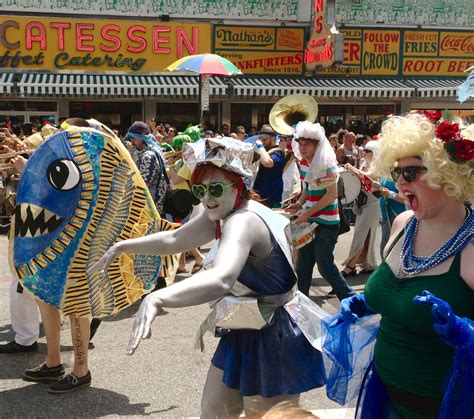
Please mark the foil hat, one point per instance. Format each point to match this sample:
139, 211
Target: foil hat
226, 153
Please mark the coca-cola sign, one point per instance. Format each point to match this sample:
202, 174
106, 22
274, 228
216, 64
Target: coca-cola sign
456, 43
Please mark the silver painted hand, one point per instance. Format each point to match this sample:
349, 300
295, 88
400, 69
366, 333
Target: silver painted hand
104, 262
142, 324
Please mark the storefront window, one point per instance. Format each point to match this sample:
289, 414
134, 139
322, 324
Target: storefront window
182, 114
241, 114
115, 114
11, 105
41, 106
331, 117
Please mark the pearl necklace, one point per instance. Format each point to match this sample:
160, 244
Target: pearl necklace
411, 265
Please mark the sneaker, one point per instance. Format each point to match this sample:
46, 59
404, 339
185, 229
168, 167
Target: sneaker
44, 373
70, 383
16, 348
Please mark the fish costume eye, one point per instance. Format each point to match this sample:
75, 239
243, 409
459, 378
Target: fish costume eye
63, 175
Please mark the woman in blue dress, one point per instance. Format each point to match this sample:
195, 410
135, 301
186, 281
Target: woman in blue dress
267, 328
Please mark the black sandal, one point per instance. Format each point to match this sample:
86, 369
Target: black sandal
352, 272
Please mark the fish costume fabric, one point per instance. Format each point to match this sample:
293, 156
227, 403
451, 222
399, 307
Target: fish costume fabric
80, 193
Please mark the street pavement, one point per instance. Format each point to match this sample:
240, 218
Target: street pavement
165, 376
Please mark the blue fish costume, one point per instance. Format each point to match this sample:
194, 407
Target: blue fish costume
80, 193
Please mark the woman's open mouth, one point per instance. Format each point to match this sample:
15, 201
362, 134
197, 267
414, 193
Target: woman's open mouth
212, 206
412, 200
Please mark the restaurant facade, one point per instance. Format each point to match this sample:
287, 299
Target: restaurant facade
110, 63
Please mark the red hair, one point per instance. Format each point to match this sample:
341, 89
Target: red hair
203, 170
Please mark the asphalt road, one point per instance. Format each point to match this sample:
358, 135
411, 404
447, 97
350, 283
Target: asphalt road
164, 378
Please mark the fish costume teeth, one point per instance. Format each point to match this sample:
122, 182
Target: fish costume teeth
80, 193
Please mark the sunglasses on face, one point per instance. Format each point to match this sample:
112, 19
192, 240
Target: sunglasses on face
409, 172
215, 190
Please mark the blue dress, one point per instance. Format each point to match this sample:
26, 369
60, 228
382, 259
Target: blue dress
278, 359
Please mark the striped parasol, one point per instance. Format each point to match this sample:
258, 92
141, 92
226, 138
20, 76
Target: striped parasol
205, 64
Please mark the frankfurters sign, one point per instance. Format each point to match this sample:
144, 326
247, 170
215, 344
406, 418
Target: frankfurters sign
405, 53
260, 49
93, 44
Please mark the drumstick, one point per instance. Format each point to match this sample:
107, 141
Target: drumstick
285, 200
361, 173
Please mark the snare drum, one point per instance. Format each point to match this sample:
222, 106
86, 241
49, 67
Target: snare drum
302, 234
352, 186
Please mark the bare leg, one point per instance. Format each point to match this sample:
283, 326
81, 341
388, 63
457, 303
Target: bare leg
258, 405
80, 332
197, 255
52, 327
182, 262
219, 401
352, 263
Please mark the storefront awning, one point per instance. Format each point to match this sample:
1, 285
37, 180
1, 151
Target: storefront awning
373, 88
114, 85
6, 83
436, 88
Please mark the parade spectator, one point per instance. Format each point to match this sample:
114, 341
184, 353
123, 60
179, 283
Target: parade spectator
240, 131
348, 152
170, 134
333, 141
269, 181
225, 130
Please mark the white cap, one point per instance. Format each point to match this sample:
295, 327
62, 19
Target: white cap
371, 146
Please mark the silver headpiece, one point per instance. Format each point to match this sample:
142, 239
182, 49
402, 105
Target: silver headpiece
227, 153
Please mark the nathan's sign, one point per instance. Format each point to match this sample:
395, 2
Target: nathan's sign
261, 50
320, 47
87, 44
405, 53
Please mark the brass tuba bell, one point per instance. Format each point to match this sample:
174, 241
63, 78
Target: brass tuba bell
290, 110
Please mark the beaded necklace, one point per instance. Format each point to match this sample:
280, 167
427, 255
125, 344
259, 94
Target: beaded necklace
412, 265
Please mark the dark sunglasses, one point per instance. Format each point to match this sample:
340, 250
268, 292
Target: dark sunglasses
408, 172
215, 190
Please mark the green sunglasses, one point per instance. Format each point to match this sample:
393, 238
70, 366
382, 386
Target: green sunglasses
408, 172
215, 190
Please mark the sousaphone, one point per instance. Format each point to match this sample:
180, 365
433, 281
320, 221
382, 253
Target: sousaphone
290, 110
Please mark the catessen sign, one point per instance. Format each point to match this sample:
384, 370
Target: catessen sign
405, 53
261, 50
77, 44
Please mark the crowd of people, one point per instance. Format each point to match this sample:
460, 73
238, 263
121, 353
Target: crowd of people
415, 176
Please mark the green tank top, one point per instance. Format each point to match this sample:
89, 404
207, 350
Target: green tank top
408, 353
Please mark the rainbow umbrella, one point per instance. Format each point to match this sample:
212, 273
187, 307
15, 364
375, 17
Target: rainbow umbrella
205, 64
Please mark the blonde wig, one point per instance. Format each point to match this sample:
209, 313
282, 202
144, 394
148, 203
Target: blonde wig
413, 135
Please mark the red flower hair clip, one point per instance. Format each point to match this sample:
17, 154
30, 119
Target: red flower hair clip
460, 150
434, 116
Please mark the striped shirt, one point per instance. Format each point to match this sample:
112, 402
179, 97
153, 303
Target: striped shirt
315, 191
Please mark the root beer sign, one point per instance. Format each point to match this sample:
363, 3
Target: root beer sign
90, 44
319, 50
405, 53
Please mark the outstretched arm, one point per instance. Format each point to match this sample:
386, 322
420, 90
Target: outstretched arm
198, 231
235, 246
